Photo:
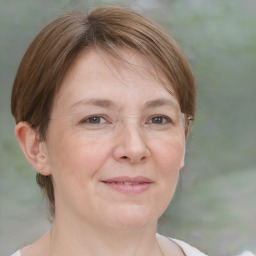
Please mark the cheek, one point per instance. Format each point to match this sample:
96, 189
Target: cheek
168, 157
170, 154
75, 163
76, 156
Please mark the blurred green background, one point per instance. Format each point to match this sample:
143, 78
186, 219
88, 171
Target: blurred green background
214, 207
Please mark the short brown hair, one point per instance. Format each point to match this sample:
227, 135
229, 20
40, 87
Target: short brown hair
54, 49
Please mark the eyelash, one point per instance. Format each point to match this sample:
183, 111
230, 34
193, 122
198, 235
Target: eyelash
87, 119
161, 117
150, 121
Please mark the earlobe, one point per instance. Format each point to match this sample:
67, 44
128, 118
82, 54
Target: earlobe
32, 148
182, 164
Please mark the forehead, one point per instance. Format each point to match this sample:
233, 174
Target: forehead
97, 73
118, 62
129, 61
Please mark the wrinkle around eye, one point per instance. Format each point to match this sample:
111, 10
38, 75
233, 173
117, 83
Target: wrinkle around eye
94, 120
159, 120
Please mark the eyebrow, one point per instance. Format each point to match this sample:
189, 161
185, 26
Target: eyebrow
159, 103
106, 103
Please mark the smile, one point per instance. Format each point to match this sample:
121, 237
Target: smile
129, 185
126, 183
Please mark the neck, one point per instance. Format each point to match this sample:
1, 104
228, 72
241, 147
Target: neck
77, 239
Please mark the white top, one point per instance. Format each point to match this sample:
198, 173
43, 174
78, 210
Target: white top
246, 253
16, 253
187, 249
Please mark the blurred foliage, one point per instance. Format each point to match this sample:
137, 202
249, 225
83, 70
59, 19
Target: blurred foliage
214, 206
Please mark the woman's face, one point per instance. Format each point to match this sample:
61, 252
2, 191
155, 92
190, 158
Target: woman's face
115, 143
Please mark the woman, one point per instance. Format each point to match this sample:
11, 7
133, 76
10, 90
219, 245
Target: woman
103, 105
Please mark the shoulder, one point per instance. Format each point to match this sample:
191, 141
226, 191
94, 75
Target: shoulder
16, 253
246, 253
166, 243
188, 249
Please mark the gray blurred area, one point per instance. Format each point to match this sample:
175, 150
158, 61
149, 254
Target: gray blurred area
214, 207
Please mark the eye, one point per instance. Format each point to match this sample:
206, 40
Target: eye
94, 120
159, 120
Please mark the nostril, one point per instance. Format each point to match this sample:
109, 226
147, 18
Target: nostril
124, 157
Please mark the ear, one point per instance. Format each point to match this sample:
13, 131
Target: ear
32, 148
182, 162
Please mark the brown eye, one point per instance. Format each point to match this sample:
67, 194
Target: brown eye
94, 120
159, 120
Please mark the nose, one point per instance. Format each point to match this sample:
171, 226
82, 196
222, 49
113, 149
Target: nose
132, 145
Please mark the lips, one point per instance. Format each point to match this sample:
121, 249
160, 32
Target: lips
127, 179
129, 185
125, 183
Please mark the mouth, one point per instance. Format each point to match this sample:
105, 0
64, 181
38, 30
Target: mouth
125, 183
129, 185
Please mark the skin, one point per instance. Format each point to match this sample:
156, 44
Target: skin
108, 120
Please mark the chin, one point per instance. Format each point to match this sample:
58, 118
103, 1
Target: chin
133, 218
